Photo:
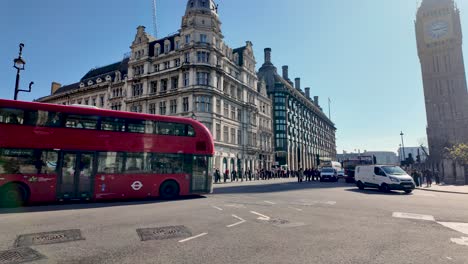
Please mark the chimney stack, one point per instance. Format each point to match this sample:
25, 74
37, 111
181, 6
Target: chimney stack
54, 87
307, 92
316, 100
298, 83
286, 72
268, 55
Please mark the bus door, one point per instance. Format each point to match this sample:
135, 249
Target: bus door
76, 175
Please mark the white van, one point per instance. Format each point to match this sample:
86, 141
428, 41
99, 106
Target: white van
383, 177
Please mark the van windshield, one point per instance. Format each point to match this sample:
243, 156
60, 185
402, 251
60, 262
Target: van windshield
393, 170
328, 170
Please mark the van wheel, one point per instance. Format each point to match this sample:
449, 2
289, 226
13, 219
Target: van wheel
408, 191
384, 188
169, 190
360, 185
13, 195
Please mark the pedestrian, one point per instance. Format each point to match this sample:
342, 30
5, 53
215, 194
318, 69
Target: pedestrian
428, 176
217, 176
250, 174
241, 174
300, 176
436, 176
226, 175
234, 176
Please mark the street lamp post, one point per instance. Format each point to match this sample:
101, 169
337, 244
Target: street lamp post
19, 66
403, 146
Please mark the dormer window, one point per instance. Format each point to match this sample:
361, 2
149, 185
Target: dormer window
99, 80
90, 82
203, 3
203, 38
157, 50
191, 4
187, 39
82, 85
108, 78
167, 48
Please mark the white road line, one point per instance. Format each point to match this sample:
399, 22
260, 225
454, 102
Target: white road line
449, 258
216, 207
297, 209
414, 216
268, 202
262, 217
238, 223
190, 238
460, 227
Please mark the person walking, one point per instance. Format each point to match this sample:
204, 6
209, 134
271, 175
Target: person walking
241, 174
226, 175
234, 176
217, 176
437, 177
428, 176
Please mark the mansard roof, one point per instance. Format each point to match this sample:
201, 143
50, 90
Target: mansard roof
171, 39
102, 72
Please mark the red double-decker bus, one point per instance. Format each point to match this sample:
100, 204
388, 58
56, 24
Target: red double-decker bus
57, 153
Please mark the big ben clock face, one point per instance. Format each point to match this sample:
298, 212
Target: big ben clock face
437, 30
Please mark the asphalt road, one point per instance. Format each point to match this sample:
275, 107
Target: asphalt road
279, 221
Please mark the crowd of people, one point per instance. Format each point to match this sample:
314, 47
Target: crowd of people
424, 176
256, 175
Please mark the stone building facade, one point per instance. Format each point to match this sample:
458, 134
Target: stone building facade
303, 135
193, 74
439, 40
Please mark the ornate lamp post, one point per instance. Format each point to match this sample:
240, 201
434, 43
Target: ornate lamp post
19, 66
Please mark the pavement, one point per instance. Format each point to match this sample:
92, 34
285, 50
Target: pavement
277, 221
457, 189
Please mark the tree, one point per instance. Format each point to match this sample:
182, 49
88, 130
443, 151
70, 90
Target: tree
459, 153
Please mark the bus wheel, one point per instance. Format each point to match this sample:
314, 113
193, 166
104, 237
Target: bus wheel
169, 190
13, 195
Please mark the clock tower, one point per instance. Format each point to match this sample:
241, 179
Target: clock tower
439, 40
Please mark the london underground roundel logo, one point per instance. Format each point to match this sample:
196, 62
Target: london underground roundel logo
137, 185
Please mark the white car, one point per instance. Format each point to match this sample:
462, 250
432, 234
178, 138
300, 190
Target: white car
383, 177
328, 173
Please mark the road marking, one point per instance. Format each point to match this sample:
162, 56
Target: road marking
297, 209
262, 217
414, 216
216, 207
449, 258
190, 238
235, 205
268, 202
463, 241
238, 223
460, 227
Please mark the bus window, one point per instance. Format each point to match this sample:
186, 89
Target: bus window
179, 130
166, 129
54, 120
140, 126
81, 122
190, 131
113, 124
17, 161
135, 163
49, 161
168, 164
110, 162
11, 116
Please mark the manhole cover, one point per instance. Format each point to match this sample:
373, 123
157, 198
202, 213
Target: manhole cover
48, 238
161, 233
19, 255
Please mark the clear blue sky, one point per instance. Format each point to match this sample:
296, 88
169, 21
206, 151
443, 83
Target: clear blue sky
360, 53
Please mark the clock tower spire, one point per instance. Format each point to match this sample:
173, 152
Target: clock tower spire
439, 41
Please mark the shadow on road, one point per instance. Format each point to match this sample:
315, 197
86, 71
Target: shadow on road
376, 192
63, 206
271, 186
